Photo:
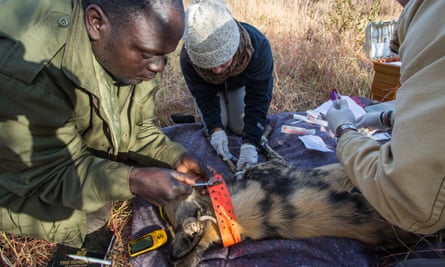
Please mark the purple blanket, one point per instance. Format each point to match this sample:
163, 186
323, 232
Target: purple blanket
306, 252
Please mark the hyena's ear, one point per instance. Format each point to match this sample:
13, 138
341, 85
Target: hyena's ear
183, 244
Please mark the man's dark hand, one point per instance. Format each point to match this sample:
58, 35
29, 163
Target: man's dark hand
160, 186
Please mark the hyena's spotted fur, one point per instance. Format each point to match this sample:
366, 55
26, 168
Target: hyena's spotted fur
275, 200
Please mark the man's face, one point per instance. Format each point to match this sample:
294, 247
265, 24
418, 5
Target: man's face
136, 52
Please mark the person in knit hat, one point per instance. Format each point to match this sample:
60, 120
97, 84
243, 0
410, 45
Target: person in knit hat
228, 66
212, 36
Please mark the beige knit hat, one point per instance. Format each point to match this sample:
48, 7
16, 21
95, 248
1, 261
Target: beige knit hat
211, 35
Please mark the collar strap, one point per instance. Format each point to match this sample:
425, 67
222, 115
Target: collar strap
224, 212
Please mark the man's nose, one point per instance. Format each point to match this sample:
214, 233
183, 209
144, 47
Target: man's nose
157, 64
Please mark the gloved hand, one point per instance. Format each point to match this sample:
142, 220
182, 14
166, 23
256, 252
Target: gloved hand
340, 116
248, 157
374, 120
159, 185
220, 143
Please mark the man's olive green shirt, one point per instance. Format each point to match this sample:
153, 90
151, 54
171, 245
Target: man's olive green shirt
65, 127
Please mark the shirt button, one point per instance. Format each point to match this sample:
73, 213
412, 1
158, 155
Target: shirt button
63, 21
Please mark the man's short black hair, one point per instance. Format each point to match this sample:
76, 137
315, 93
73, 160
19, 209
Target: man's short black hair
125, 11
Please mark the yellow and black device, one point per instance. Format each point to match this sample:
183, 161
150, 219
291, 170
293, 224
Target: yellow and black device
147, 242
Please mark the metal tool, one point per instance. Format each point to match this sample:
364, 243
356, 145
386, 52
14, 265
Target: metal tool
231, 164
239, 174
210, 182
268, 150
203, 184
87, 259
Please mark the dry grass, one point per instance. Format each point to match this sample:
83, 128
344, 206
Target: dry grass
317, 45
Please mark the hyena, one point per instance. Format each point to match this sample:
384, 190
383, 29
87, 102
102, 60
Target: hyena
275, 200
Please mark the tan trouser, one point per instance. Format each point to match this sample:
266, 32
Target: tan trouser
232, 109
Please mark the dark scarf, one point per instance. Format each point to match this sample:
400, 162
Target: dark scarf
239, 63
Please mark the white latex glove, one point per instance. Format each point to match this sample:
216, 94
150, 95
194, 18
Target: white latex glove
248, 157
373, 120
220, 143
340, 116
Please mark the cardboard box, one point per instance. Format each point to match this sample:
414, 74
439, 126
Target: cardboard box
386, 63
386, 80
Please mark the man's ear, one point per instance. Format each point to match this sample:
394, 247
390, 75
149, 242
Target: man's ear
95, 21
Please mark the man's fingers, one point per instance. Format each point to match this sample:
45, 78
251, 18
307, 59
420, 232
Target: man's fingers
183, 177
181, 190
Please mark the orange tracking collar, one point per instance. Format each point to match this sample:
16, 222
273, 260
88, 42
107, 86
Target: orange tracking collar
225, 215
